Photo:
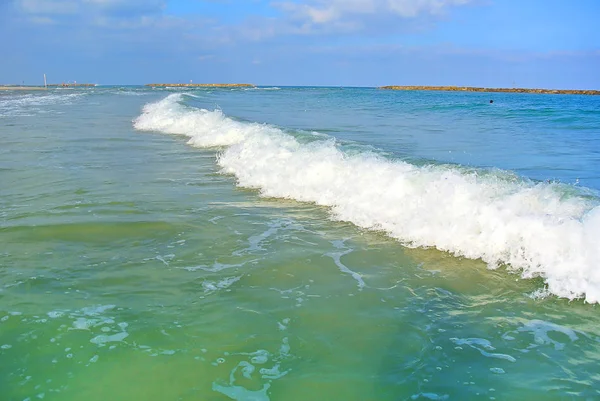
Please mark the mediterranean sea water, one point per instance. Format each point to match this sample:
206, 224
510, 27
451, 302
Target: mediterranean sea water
298, 244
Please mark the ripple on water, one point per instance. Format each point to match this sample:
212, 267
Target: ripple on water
246, 368
483, 346
541, 329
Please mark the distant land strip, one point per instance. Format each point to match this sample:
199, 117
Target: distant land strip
204, 85
21, 88
38, 88
508, 90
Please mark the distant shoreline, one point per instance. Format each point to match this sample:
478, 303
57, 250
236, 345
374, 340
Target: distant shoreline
505, 90
203, 85
71, 85
389, 87
38, 88
22, 88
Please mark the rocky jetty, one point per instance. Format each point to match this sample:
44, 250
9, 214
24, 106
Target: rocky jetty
202, 85
507, 90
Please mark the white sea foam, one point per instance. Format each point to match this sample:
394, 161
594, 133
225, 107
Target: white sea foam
538, 229
269, 88
541, 329
26, 104
337, 258
212, 286
125, 92
483, 346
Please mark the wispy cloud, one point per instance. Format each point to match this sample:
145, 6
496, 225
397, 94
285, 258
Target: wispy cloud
327, 11
51, 7
89, 10
290, 18
348, 17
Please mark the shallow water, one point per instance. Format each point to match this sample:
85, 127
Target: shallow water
272, 267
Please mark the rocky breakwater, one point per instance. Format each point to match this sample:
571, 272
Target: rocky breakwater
201, 85
507, 90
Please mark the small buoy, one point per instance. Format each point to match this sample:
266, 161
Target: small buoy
491, 101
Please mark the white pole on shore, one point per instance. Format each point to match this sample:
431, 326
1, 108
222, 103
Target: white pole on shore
45, 84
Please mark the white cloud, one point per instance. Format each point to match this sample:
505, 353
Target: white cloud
314, 20
42, 20
130, 6
327, 11
40, 7
90, 7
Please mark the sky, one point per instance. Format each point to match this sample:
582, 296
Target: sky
490, 43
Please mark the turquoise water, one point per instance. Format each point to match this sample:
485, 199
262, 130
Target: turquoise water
298, 243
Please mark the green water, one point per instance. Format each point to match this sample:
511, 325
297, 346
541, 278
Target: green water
131, 269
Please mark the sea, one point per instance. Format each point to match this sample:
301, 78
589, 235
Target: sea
298, 243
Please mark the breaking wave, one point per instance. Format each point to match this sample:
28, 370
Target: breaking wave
547, 230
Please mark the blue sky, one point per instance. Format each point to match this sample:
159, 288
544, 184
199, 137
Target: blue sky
495, 43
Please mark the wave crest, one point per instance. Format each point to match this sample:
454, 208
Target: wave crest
539, 229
